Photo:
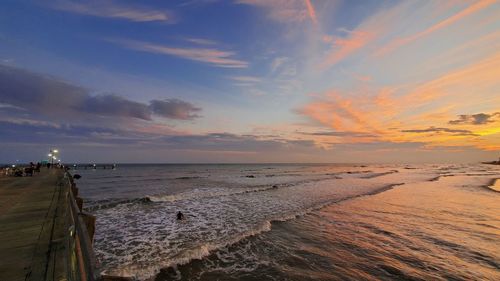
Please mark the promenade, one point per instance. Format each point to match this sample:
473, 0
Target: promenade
32, 227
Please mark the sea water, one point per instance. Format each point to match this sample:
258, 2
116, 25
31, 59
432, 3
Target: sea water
296, 221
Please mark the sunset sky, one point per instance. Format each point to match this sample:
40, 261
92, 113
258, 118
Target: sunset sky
250, 81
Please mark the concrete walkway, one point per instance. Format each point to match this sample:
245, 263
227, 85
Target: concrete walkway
32, 227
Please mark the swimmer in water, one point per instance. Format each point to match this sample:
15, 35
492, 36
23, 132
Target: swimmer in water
180, 216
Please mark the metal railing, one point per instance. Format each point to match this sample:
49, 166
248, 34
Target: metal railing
82, 264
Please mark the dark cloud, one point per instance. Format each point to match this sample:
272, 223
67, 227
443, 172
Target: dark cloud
113, 105
49, 96
42, 132
261, 136
28, 140
340, 134
38, 93
475, 119
174, 109
441, 130
38, 110
46, 133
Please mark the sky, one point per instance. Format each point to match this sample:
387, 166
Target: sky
250, 81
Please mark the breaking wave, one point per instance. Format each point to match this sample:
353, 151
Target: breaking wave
200, 251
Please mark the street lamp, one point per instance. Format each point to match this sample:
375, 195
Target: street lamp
52, 155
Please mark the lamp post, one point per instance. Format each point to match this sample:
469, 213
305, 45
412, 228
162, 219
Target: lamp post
52, 155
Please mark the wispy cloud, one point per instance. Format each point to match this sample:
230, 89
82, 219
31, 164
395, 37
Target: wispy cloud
278, 62
340, 113
399, 42
344, 47
246, 79
480, 74
311, 11
207, 55
285, 10
112, 9
339, 134
201, 41
197, 2
349, 42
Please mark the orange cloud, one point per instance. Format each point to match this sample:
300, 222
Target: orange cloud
343, 47
343, 114
311, 11
420, 112
396, 43
478, 75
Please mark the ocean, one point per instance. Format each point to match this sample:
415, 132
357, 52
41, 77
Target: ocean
296, 221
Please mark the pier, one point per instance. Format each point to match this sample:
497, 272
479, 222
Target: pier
44, 234
93, 166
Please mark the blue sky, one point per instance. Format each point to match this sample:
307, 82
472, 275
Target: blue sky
250, 80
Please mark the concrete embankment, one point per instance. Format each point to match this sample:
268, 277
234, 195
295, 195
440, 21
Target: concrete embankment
44, 235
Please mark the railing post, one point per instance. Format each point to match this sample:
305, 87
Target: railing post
89, 221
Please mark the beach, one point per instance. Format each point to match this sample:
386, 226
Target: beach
250, 140
296, 222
